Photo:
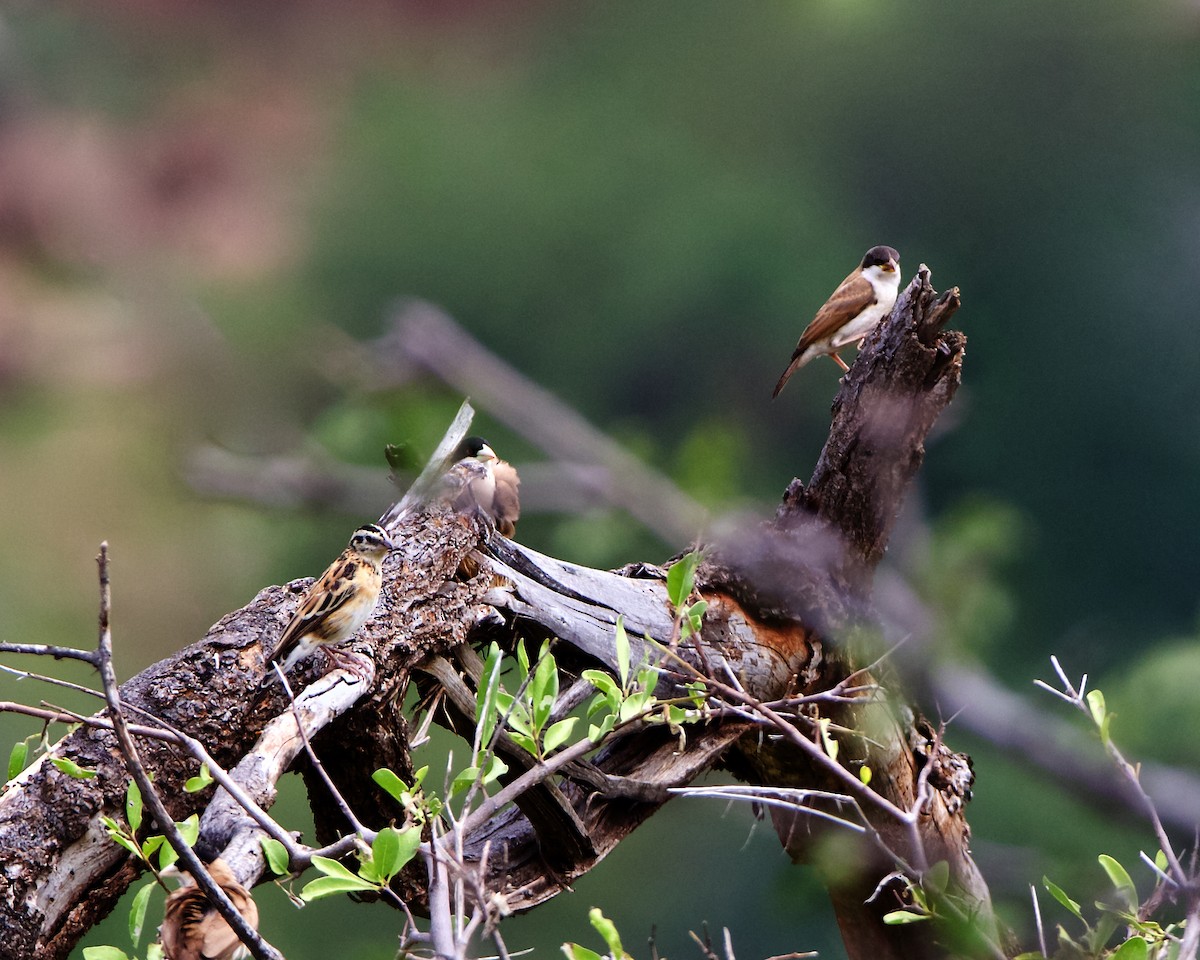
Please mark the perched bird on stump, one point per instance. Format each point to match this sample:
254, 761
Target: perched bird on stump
490, 485
852, 311
193, 930
340, 601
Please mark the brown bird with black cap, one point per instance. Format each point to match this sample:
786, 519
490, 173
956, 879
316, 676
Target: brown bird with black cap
490, 484
854, 309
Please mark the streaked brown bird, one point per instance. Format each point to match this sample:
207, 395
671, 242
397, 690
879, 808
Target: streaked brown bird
490, 485
193, 930
852, 311
340, 601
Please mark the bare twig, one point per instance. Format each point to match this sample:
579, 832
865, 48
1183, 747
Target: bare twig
255, 943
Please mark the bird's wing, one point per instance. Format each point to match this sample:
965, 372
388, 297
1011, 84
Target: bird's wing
852, 296
506, 502
331, 591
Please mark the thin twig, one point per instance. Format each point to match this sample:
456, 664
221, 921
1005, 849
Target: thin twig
254, 942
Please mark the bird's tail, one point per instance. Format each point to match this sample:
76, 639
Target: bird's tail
799, 359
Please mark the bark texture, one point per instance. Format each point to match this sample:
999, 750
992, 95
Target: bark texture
784, 598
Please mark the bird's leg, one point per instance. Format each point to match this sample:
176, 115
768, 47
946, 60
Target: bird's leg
839, 361
348, 660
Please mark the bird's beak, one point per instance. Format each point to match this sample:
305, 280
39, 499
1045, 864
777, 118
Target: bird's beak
486, 453
892, 266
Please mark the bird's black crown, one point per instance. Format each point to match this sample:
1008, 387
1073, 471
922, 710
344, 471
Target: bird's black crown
877, 256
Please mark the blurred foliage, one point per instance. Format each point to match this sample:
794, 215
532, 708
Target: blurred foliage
639, 206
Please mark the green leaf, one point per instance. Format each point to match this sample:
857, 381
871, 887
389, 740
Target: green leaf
17, 758
462, 782
575, 952
609, 692
133, 808
864, 774
897, 917
276, 855
72, 769
485, 698
608, 930
1095, 702
155, 952
137, 912
522, 662
198, 783
150, 844
189, 829
390, 783
681, 578
1160, 860
1120, 879
1135, 948
104, 953
336, 869
544, 688
1057, 893
329, 886
596, 733
393, 849
937, 877
622, 651
496, 769
558, 734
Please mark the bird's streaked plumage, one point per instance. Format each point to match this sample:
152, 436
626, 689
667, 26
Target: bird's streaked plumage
854, 309
340, 601
193, 930
488, 484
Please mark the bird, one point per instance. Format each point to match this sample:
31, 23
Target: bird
852, 311
340, 601
193, 930
488, 484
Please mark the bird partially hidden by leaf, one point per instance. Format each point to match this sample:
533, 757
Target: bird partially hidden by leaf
193, 930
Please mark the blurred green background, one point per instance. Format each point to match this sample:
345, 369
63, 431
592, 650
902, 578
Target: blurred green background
639, 206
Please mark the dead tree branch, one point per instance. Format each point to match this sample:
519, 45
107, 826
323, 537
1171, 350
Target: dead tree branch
783, 599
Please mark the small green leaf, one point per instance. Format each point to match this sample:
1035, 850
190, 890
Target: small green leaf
1057, 893
574, 951
150, 844
864, 774
155, 952
596, 733
393, 849
622, 651
608, 930
937, 877
1160, 861
329, 886
1135, 948
544, 688
496, 769
17, 758
558, 734
390, 784
137, 912
462, 783
1120, 879
125, 842
681, 578
522, 661
276, 855
104, 953
334, 868
189, 829
133, 808
72, 769
485, 698
197, 783
1095, 702
897, 917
